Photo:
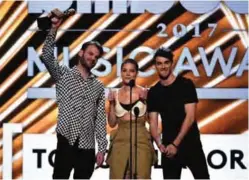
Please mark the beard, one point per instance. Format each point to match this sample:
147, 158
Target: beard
164, 77
84, 64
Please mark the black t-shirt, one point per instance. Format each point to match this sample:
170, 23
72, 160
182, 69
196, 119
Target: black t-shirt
169, 102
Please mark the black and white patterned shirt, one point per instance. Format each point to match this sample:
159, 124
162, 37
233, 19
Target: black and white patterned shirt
81, 102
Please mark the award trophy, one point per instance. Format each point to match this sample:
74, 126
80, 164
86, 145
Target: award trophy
44, 23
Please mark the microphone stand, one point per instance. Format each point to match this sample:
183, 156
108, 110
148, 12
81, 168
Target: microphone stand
136, 112
131, 84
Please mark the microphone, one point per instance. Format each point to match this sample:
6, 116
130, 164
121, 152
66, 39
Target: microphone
131, 83
44, 23
136, 111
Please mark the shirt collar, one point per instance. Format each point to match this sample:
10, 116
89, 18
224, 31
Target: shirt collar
77, 73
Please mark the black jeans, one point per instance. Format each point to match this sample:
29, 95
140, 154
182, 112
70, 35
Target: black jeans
195, 160
68, 157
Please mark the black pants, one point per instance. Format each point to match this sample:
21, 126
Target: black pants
68, 157
194, 160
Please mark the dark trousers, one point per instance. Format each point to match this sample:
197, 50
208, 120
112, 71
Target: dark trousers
194, 160
69, 157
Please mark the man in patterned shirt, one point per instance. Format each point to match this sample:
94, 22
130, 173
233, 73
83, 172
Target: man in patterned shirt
81, 118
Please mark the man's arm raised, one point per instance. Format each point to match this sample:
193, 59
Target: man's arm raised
47, 56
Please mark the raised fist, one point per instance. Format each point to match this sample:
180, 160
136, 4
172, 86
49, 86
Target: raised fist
56, 17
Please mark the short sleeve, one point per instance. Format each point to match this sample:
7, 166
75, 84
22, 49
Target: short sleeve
190, 95
152, 105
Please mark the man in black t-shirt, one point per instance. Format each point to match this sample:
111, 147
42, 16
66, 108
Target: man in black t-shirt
175, 99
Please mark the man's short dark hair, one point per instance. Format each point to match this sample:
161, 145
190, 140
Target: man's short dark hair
96, 44
164, 52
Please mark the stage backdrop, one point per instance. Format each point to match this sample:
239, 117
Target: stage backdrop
209, 40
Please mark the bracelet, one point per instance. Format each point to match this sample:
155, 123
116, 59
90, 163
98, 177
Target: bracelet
174, 145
